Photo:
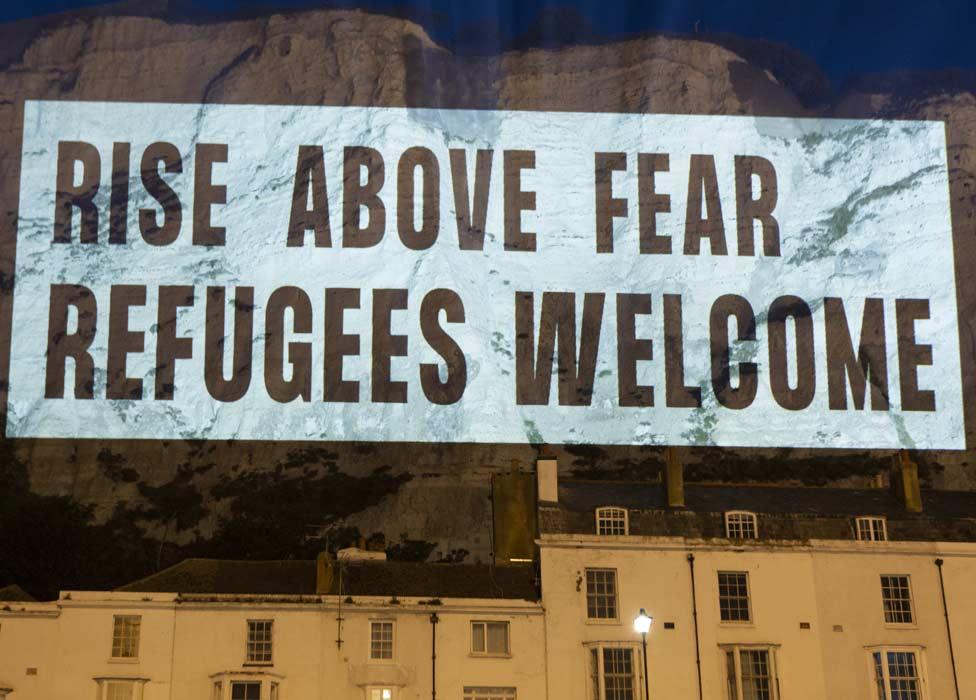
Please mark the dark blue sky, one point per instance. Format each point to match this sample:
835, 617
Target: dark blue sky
845, 37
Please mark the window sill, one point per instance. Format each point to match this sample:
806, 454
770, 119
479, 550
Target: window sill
602, 621
735, 624
901, 625
264, 664
123, 660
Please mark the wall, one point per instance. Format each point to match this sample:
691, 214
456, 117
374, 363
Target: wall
850, 595
822, 584
183, 644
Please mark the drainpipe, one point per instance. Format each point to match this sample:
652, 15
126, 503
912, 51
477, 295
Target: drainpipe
433, 655
694, 615
945, 608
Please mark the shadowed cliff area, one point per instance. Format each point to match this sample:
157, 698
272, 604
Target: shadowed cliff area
92, 514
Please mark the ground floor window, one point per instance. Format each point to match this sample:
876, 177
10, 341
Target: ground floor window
119, 688
245, 690
225, 688
488, 693
613, 669
751, 673
379, 693
897, 674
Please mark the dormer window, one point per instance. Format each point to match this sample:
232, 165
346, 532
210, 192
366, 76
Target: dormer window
741, 525
611, 520
871, 528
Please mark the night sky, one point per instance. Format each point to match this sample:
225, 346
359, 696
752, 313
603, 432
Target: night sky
844, 37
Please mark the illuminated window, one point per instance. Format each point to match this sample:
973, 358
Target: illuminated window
613, 672
245, 690
381, 640
125, 636
871, 529
896, 594
601, 594
119, 688
489, 638
259, 641
751, 673
379, 694
741, 525
733, 596
897, 675
488, 693
611, 521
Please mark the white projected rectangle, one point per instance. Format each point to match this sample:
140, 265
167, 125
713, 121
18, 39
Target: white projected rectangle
348, 273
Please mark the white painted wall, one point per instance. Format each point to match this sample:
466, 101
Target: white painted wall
183, 644
820, 583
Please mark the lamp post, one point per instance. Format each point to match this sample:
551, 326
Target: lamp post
642, 624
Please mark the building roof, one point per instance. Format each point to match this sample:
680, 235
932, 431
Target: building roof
579, 495
287, 577
360, 578
15, 594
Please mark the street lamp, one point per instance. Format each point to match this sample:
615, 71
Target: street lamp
642, 625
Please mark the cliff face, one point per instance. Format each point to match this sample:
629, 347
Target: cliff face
164, 500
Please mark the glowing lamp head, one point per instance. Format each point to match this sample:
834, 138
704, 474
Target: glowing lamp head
642, 623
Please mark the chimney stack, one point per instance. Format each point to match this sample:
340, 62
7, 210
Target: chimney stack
547, 480
904, 482
674, 479
324, 573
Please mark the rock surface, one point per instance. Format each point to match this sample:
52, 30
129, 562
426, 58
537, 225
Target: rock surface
182, 495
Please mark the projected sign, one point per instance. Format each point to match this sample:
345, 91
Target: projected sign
295, 273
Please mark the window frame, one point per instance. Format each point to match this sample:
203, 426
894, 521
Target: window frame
736, 651
245, 681
750, 620
368, 690
137, 682
248, 660
498, 654
612, 514
119, 633
222, 683
481, 692
870, 521
920, 667
393, 635
600, 688
739, 514
616, 596
913, 622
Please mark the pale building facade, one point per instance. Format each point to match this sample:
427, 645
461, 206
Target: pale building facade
748, 604
129, 645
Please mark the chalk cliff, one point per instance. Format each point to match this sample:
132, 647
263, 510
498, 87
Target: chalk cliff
157, 501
